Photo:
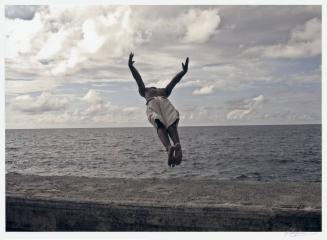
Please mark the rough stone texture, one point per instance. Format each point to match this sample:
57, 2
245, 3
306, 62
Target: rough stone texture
38, 203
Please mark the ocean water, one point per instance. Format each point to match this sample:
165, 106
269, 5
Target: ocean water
259, 153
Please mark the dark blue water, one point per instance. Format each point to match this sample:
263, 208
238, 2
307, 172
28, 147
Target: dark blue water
262, 153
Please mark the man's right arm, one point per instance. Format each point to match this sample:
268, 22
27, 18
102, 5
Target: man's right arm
136, 75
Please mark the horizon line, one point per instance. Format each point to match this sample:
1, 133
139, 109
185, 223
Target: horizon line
223, 125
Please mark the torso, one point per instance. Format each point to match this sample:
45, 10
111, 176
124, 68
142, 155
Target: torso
154, 92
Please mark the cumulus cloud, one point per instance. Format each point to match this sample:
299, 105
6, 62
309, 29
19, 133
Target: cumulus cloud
200, 25
92, 97
304, 41
91, 109
39, 104
96, 105
97, 109
62, 38
19, 35
248, 107
235, 76
203, 90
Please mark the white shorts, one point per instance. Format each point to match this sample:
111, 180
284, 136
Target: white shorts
162, 109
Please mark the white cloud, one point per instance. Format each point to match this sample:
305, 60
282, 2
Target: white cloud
42, 103
200, 25
24, 86
305, 41
96, 105
248, 106
92, 41
53, 45
99, 110
19, 35
65, 37
203, 90
92, 97
107, 33
26, 111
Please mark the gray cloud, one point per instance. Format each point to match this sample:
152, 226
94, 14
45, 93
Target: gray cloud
235, 52
25, 12
246, 109
304, 41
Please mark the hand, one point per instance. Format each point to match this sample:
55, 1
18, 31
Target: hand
130, 60
185, 66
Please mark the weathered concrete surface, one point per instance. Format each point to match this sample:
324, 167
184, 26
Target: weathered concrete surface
35, 203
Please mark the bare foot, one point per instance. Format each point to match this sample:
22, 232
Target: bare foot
178, 153
171, 158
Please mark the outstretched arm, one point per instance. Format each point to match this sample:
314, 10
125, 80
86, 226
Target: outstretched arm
136, 75
177, 78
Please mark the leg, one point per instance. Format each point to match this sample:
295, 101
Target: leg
173, 133
163, 136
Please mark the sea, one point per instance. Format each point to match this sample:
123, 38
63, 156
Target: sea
240, 153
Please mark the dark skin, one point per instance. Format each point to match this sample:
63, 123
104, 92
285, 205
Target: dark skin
145, 92
153, 92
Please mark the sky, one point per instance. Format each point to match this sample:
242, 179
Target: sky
66, 65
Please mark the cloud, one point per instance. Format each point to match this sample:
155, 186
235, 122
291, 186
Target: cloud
64, 38
96, 105
39, 104
19, 35
107, 33
248, 106
18, 87
20, 11
232, 76
200, 25
304, 41
52, 46
92, 97
79, 52
203, 90
88, 110
200, 115
98, 109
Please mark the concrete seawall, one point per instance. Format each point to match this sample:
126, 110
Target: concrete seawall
35, 203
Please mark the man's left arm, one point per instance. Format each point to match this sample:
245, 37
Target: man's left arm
177, 78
